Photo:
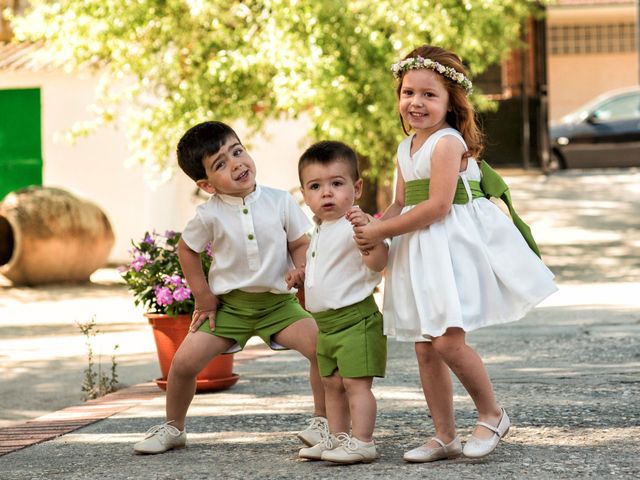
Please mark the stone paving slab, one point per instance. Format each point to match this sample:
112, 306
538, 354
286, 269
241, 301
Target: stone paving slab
568, 374
567, 424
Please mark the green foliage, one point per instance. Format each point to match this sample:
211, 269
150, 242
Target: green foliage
95, 383
186, 61
154, 275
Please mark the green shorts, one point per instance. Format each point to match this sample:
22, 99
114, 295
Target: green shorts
350, 339
242, 315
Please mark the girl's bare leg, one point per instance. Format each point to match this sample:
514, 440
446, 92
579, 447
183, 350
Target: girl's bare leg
194, 353
435, 378
470, 370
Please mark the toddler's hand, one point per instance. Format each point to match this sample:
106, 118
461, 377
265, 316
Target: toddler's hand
295, 278
357, 217
205, 309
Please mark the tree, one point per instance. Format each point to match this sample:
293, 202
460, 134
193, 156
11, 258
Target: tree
175, 63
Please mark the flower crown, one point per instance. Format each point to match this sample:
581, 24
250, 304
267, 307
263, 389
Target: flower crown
414, 63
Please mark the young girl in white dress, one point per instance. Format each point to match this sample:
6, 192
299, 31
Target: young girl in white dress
457, 262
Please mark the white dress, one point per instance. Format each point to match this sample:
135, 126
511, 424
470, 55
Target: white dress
469, 270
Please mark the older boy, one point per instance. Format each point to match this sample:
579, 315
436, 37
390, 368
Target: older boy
255, 233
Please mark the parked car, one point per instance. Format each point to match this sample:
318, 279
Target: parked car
603, 133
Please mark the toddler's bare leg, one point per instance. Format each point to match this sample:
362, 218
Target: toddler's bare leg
337, 404
468, 367
435, 378
362, 405
301, 336
194, 353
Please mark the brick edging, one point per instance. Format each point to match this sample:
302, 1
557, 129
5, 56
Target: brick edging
63, 421
56, 424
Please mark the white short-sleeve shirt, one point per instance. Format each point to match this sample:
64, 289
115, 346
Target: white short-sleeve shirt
335, 275
248, 238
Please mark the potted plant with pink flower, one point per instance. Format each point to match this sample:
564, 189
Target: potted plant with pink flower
155, 278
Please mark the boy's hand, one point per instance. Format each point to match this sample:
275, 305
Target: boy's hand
206, 309
357, 217
295, 278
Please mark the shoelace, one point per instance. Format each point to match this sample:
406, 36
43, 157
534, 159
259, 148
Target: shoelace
319, 424
347, 441
327, 441
325, 435
159, 428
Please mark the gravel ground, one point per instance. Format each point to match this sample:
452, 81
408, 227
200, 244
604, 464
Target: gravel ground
568, 374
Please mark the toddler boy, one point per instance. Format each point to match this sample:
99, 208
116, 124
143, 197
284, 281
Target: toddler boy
339, 284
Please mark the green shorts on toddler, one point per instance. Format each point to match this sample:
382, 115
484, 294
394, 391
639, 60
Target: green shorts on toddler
351, 339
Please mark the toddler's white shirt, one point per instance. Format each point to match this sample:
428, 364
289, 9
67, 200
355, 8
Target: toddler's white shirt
249, 239
335, 275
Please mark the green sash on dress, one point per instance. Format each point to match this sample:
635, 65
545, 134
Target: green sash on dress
491, 185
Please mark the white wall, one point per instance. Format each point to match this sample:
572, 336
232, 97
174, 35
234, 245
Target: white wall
94, 167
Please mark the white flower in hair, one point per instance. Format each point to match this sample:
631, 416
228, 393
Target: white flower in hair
415, 63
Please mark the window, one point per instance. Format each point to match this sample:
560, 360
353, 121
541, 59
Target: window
620, 108
596, 38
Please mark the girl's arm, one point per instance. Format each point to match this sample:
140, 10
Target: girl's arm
445, 166
393, 210
376, 257
206, 302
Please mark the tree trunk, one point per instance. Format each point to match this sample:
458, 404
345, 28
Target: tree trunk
369, 200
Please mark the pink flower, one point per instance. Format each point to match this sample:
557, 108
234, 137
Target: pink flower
181, 294
154, 274
163, 295
139, 262
174, 280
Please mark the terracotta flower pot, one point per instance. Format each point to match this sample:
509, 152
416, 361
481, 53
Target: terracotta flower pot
169, 332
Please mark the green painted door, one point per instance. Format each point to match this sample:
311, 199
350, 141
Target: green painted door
20, 139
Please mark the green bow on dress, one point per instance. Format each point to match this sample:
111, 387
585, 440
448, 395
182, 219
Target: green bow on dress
491, 185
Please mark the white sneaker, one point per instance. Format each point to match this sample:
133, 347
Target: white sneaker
312, 435
351, 450
329, 442
161, 438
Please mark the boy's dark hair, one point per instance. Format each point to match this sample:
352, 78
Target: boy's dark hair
329, 151
200, 142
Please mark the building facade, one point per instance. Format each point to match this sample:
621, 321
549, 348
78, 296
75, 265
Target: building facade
592, 47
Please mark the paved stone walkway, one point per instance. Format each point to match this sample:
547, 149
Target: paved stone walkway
569, 373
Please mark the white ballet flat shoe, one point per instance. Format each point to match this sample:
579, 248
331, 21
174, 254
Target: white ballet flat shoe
425, 454
480, 447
